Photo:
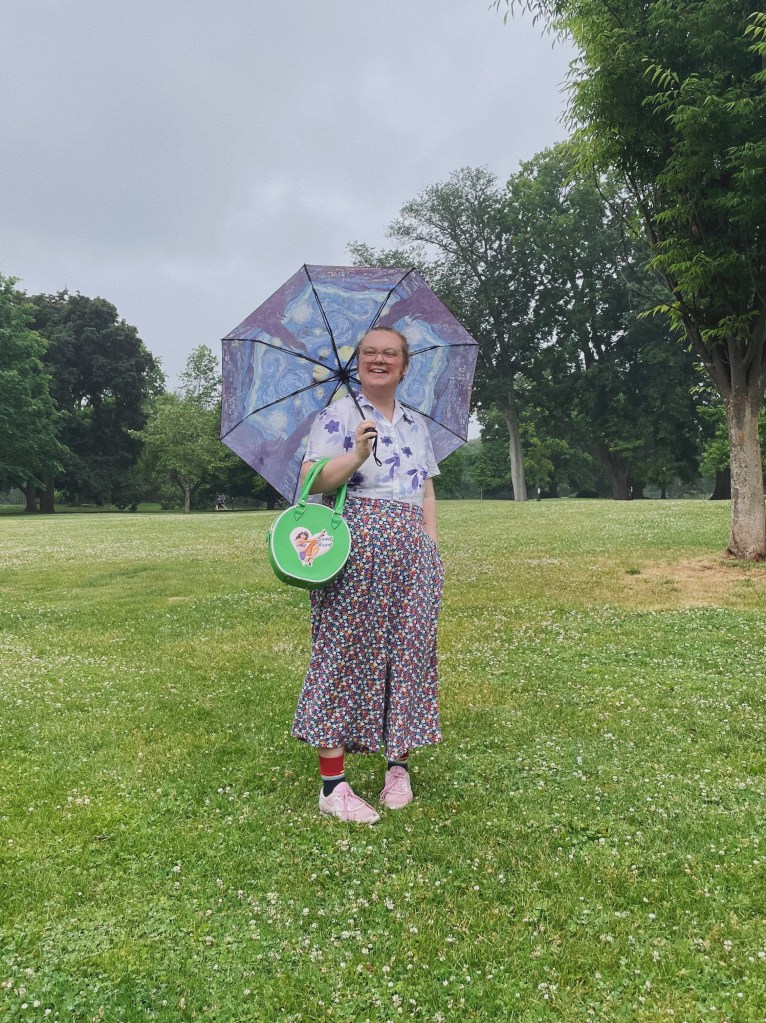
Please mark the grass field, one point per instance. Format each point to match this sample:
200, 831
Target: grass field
585, 845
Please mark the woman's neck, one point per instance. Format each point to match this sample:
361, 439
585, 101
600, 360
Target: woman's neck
384, 405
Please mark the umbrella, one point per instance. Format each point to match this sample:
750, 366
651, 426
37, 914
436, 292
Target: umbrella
295, 354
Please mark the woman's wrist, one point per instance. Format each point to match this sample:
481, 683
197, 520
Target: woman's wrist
336, 472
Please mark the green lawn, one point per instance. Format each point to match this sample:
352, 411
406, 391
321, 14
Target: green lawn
585, 845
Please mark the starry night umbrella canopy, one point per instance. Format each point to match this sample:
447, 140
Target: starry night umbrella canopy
295, 354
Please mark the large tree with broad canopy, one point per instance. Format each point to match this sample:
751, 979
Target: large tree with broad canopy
672, 94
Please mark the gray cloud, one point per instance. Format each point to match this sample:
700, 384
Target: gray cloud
182, 159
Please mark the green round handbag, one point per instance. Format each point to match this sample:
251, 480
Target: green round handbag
309, 544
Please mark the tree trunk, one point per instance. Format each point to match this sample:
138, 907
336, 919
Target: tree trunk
515, 452
738, 370
29, 490
187, 499
46, 498
722, 489
617, 471
747, 534
637, 490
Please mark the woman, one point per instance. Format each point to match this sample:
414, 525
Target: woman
372, 682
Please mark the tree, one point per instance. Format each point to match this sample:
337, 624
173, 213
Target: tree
672, 94
102, 377
236, 478
29, 449
181, 446
456, 477
181, 440
613, 384
488, 280
200, 379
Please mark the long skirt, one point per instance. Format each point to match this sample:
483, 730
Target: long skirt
372, 680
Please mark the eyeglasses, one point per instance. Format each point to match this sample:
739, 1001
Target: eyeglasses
389, 354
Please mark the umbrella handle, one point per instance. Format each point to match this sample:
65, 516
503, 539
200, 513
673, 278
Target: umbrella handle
375, 442
311, 475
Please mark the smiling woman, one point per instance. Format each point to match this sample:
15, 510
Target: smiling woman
372, 679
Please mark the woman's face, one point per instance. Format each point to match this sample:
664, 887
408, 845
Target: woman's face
381, 362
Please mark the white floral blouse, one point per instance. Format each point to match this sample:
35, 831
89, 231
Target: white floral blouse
404, 449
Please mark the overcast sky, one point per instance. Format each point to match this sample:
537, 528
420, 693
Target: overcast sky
181, 158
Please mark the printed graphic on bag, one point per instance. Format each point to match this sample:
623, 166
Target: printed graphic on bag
310, 547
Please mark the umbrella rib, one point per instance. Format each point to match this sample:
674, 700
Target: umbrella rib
324, 315
337, 356
384, 303
382, 306
337, 359
285, 397
425, 415
280, 348
433, 348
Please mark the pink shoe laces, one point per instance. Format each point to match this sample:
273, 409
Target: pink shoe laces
350, 803
397, 783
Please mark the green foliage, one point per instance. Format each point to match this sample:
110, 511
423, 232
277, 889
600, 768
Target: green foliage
236, 479
543, 276
672, 95
485, 274
715, 451
491, 472
457, 478
200, 379
102, 379
613, 384
182, 449
29, 450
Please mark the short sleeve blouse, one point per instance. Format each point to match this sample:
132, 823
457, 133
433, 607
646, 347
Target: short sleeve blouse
404, 449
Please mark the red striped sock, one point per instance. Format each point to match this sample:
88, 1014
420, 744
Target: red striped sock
332, 772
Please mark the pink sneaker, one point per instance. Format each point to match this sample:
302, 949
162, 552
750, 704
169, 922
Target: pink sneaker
397, 790
343, 804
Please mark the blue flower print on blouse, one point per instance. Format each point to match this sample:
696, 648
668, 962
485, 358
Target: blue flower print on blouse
404, 449
417, 477
394, 462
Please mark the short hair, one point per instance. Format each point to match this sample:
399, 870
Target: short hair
390, 330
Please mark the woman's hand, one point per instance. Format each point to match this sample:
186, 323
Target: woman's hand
340, 469
364, 437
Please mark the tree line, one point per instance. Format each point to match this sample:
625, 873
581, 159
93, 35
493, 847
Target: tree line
616, 285
85, 415
577, 389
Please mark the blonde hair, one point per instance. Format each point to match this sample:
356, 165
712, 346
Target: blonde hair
389, 330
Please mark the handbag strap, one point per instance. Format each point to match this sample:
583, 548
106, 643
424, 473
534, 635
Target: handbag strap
311, 475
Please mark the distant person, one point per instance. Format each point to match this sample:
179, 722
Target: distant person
220, 503
372, 680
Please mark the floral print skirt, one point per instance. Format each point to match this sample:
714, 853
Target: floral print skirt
372, 680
